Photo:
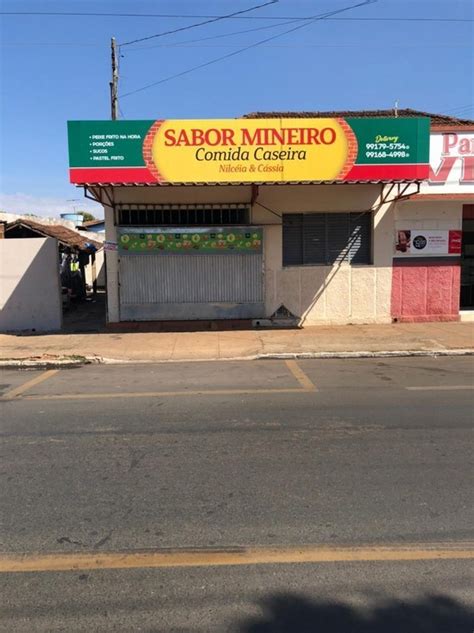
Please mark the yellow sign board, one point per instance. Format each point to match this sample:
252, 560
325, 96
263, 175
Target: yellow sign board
249, 150
294, 149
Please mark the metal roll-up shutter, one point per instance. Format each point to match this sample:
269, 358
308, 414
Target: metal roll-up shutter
166, 285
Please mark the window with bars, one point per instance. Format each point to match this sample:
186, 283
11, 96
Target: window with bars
327, 238
150, 215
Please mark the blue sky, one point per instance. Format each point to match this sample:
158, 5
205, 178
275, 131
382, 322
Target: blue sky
56, 68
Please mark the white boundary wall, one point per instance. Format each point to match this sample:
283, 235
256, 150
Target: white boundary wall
30, 289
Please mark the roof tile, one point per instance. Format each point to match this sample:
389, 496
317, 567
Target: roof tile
66, 236
436, 119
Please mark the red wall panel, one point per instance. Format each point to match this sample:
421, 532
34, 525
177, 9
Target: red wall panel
426, 290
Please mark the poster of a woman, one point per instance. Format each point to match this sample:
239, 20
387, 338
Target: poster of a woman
403, 241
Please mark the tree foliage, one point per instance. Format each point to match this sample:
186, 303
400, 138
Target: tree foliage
86, 216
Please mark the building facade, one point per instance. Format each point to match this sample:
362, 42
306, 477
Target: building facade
323, 233
439, 285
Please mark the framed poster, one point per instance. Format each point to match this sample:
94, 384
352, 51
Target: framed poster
427, 243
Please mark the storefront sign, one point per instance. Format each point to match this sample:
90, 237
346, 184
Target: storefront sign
233, 240
427, 243
110, 245
451, 163
248, 150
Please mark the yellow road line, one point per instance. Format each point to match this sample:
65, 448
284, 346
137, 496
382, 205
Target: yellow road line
297, 372
441, 388
18, 391
162, 394
300, 376
233, 556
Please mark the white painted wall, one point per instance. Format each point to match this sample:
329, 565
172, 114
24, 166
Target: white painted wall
182, 195
39, 219
111, 268
327, 294
99, 270
30, 287
432, 214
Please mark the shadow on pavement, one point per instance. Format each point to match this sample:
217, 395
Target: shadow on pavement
85, 317
290, 613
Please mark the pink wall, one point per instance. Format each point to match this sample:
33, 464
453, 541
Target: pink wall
426, 291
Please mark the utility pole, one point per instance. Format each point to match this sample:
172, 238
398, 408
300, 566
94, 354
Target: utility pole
114, 82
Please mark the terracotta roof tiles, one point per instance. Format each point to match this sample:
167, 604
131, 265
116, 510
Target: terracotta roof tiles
436, 119
65, 236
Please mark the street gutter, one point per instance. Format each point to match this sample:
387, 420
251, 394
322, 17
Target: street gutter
72, 362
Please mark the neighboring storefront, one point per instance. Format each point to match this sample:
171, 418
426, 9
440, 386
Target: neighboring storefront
433, 267
258, 217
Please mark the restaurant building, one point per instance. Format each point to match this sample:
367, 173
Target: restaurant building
317, 218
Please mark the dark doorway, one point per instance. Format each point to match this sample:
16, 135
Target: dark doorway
85, 317
467, 258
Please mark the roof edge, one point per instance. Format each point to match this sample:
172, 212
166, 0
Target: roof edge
436, 118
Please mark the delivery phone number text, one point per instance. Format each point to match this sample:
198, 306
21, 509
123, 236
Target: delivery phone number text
400, 154
387, 146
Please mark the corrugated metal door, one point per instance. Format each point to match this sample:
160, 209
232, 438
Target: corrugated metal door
186, 286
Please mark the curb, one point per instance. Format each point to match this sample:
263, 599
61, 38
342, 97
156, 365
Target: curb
56, 363
67, 363
298, 356
366, 354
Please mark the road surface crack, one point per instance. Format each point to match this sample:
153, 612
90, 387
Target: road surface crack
103, 540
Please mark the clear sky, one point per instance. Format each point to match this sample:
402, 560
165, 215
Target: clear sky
55, 68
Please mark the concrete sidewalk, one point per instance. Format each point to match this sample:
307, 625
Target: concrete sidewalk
358, 340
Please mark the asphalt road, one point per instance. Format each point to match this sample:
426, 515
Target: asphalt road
355, 459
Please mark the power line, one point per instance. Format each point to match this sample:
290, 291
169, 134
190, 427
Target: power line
221, 35
236, 44
250, 46
69, 44
402, 19
461, 112
461, 107
274, 26
186, 45
193, 26
145, 48
149, 15
224, 35
237, 17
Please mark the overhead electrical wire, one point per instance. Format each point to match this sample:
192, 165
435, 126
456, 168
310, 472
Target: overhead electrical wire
468, 106
236, 17
193, 26
172, 16
284, 20
221, 35
187, 45
253, 30
345, 45
315, 18
461, 114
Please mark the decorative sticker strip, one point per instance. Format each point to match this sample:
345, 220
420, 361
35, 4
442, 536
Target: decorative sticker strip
193, 241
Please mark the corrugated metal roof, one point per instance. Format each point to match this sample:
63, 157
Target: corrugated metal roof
241, 183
